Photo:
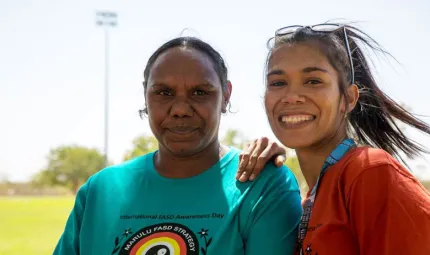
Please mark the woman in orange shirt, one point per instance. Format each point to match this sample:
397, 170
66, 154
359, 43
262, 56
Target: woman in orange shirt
322, 100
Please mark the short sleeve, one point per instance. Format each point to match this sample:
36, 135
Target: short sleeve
276, 217
69, 240
390, 212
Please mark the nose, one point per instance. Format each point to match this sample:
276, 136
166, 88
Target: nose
293, 97
181, 108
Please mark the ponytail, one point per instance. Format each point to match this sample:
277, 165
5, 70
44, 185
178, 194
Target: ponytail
374, 120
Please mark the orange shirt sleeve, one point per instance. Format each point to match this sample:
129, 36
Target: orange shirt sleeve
389, 212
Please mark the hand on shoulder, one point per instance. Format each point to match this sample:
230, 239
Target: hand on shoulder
256, 155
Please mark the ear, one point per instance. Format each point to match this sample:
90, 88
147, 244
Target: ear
353, 95
226, 96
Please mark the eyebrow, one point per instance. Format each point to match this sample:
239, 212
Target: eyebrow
304, 70
276, 72
208, 85
314, 69
198, 85
158, 84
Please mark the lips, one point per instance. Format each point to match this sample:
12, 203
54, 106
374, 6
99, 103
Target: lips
182, 130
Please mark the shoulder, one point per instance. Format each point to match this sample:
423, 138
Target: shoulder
362, 159
120, 174
282, 177
127, 167
365, 157
271, 175
371, 168
273, 180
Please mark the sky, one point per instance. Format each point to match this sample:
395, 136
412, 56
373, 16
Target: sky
52, 65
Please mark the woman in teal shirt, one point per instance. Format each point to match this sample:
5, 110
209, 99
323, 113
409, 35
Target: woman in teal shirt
184, 198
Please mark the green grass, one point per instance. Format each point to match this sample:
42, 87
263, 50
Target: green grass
32, 225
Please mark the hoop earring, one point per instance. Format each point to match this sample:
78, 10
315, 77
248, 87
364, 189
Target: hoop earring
143, 113
224, 110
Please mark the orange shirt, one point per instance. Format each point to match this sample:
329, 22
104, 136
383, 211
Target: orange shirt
369, 204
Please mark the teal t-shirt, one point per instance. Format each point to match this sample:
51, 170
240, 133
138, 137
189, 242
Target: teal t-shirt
130, 209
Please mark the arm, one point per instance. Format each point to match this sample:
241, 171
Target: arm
390, 212
275, 217
69, 240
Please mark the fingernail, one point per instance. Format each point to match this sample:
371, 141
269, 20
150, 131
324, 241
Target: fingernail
243, 177
252, 177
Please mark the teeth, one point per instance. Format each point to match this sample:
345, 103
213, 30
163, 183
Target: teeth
296, 118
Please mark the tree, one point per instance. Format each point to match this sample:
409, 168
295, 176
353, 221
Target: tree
234, 138
141, 145
426, 184
293, 163
70, 166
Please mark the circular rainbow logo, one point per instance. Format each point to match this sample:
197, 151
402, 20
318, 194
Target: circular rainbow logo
162, 239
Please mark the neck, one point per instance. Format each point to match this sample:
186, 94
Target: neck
311, 159
173, 166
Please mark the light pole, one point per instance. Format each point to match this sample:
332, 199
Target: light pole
106, 20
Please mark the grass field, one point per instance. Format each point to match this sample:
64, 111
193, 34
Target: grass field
32, 225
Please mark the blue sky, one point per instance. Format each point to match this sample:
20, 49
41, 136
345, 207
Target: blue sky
51, 62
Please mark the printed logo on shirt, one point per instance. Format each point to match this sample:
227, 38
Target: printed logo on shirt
161, 239
314, 228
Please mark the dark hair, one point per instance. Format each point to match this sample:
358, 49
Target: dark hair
193, 43
373, 120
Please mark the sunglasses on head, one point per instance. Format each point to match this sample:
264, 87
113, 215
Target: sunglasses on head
322, 28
